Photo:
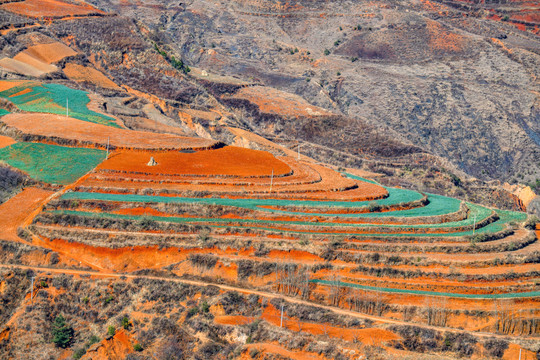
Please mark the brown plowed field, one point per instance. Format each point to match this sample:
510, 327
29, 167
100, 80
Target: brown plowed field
49, 8
272, 101
87, 133
227, 161
22, 67
34, 62
81, 73
15, 210
49, 53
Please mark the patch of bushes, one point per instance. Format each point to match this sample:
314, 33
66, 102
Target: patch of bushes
62, 333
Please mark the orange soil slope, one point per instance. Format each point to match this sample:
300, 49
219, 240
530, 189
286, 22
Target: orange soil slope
6, 141
6, 85
15, 210
81, 73
274, 101
227, 161
78, 131
49, 8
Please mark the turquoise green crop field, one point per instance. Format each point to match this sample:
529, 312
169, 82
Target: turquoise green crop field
3, 112
433, 293
52, 98
50, 163
438, 205
401, 231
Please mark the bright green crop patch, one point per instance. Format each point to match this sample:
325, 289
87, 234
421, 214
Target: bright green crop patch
3, 112
53, 99
50, 163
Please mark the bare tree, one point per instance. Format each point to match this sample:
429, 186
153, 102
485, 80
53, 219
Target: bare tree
437, 312
293, 280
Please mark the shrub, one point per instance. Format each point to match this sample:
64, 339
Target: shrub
192, 312
374, 207
125, 323
205, 307
79, 353
496, 347
138, 347
93, 340
326, 52
531, 222
61, 332
111, 331
146, 223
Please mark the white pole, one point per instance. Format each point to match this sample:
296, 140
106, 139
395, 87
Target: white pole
272, 180
67, 107
108, 137
474, 224
520, 354
32, 291
298, 151
281, 324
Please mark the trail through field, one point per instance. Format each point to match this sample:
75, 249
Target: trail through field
264, 294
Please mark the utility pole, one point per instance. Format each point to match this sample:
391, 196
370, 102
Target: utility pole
108, 137
32, 291
67, 107
272, 180
281, 324
474, 224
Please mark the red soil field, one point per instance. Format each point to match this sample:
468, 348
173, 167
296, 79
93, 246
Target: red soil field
280, 352
366, 336
14, 211
301, 174
83, 132
49, 8
6, 141
227, 161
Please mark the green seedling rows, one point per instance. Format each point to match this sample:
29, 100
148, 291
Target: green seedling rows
50, 163
53, 98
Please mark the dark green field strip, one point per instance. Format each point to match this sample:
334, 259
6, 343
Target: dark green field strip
51, 163
53, 99
455, 224
355, 177
236, 223
438, 205
432, 293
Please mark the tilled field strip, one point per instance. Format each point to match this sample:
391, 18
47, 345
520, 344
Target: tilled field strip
493, 227
432, 293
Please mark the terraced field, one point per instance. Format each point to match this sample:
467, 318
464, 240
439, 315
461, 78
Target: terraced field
53, 98
302, 229
50, 163
224, 214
